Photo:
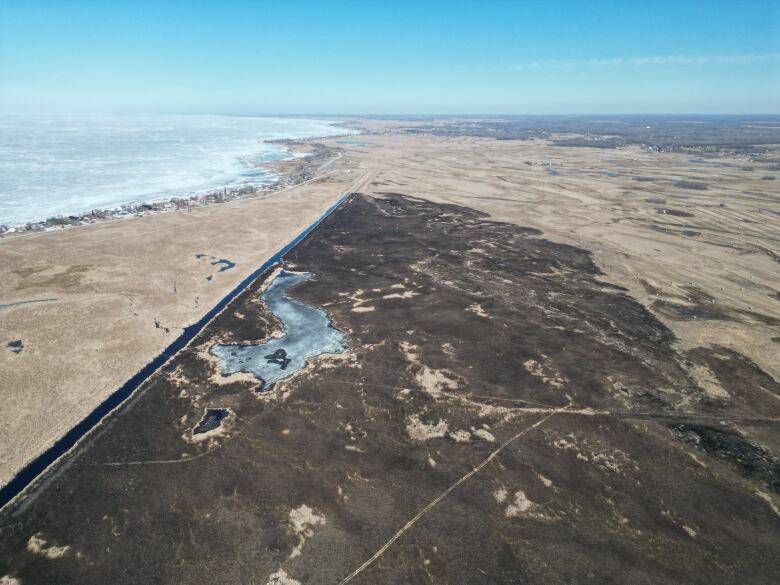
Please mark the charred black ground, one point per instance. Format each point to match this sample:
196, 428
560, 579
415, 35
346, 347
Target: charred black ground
617, 460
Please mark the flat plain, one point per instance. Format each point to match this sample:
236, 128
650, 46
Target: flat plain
560, 367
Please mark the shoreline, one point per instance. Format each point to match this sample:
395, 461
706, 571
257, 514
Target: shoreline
281, 178
126, 289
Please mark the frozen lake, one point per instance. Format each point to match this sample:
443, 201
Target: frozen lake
60, 165
308, 332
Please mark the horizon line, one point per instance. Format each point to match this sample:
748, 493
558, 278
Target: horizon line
383, 114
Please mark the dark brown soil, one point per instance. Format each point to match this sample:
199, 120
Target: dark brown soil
501, 416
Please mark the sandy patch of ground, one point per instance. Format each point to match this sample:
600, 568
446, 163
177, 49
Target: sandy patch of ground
544, 373
38, 546
420, 431
708, 382
282, 578
302, 522
477, 309
520, 504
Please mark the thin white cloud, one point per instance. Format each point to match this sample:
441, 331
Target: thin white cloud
658, 60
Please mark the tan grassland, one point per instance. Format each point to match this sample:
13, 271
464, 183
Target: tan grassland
122, 290
732, 266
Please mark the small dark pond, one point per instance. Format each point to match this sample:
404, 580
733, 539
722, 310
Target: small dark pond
214, 261
16, 346
211, 420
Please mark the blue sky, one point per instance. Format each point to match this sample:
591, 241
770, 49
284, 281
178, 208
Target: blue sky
390, 57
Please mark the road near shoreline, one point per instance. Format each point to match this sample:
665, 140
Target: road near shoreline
118, 293
63, 445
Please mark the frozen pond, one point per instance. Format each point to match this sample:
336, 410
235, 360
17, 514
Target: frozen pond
211, 420
308, 332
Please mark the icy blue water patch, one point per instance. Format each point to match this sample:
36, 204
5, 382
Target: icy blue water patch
63, 164
225, 263
308, 332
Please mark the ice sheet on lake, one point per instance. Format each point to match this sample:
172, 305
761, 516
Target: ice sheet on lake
308, 332
60, 165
